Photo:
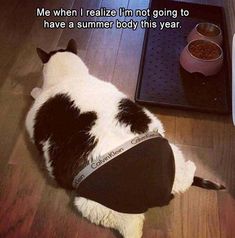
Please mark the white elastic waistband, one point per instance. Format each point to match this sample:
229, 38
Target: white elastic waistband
102, 160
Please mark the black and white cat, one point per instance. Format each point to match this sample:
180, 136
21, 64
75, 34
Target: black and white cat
76, 117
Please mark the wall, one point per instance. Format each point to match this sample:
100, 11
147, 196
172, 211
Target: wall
230, 14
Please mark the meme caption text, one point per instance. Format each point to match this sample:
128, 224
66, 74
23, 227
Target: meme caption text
167, 18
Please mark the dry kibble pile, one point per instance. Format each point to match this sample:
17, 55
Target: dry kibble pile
204, 50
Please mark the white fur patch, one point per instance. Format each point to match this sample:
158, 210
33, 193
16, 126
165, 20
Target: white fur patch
184, 172
35, 92
129, 225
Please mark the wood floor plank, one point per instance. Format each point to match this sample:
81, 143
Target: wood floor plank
20, 191
158, 221
49, 221
103, 46
20, 194
81, 36
223, 158
129, 53
152, 233
194, 129
25, 72
204, 205
88, 230
11, 123
54, 217
226, 205
15, 25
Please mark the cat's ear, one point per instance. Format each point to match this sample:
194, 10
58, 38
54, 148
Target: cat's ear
44, 56
72, 46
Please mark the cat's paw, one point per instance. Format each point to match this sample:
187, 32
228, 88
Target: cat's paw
133, 229
35, 92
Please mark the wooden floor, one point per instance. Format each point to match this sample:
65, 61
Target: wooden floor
30, 204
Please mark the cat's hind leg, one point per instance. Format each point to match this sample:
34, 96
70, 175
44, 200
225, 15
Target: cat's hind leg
184, 171
129, 225
35, 92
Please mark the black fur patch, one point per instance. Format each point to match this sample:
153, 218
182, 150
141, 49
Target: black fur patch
133, 115
207, 184
45, 57
67, 128
54, 52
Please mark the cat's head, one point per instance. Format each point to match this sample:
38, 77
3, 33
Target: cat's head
45, 57
63, 64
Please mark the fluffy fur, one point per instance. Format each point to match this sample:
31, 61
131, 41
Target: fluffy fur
65, 73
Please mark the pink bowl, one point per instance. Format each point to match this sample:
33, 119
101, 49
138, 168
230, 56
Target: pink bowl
206, 31
193, 64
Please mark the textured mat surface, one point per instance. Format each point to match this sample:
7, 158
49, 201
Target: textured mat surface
162, 81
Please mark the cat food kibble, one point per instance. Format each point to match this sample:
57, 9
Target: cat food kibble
204, 50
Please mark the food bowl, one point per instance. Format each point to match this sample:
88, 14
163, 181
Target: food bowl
202, 56
206, 31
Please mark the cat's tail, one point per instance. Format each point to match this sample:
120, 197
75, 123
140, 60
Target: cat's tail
207, 184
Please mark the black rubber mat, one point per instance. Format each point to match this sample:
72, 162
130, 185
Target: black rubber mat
163, 82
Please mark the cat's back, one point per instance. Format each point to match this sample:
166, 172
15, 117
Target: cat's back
89, 95
112, 118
